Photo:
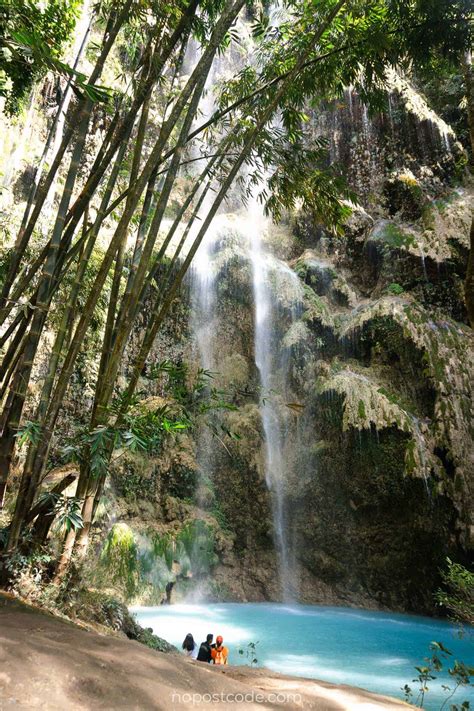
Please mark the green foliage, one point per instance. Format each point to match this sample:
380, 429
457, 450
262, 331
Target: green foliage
163, 547
67, 510
146, 637
141, 430
250, 652
133, 486
302, 182
458, 597
442, 82
119, 557
30, 432
405, 195
180, 480
26, 573
394, 237
221, 518
32, 38
395, 289
460, 675
137, 564
194, 393
196, 396
69, 514
113, 611
197, 539
155, 562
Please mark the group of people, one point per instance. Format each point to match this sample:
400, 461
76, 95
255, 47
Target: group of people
207, 651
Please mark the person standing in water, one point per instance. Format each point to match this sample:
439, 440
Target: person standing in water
205, 650
219, 653
190, 647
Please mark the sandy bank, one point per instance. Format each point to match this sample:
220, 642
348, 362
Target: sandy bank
49, 663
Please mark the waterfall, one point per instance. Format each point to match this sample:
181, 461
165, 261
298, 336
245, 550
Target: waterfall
204, 298
201, 272
271, 318
273, 368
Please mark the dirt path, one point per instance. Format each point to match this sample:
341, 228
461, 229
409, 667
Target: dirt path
52, 664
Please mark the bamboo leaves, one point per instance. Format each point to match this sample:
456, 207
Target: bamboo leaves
31, 44
67, 510
29, 433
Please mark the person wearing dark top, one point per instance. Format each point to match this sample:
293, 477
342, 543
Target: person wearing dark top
205, 653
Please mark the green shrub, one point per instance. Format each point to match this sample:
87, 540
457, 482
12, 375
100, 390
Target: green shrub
395, 289
119, 557
458, 598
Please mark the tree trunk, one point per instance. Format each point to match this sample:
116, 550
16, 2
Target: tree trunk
37, 454
39, 317
29, 482
469, 283
224, 22
24, 234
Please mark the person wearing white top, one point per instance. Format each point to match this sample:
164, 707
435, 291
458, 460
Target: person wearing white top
190, 647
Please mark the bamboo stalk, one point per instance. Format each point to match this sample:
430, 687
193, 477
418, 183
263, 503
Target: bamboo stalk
226, 19
25, 234
37, 454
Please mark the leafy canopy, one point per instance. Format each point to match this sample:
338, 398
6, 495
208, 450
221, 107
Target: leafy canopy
32, 38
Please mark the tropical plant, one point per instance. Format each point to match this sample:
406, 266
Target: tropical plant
459, 673
32, 38
458, 596
66, 510
119, 557
250, 653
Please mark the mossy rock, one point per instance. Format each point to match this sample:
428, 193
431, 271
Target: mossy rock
404, 195
392, 236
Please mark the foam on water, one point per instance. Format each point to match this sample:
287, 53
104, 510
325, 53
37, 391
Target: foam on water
374, 650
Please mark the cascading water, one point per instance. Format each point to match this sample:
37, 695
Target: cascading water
268, 359
203, 300
271, 359
202, 271
203, 294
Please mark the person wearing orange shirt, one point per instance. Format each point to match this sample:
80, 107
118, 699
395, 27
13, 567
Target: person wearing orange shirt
219, 652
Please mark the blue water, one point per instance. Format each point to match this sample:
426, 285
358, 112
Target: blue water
372, 650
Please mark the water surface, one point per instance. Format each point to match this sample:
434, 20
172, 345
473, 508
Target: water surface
373, 650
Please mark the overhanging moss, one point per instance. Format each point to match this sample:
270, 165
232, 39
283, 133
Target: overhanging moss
367, 405
447, 351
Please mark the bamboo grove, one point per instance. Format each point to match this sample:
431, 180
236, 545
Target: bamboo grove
115, 187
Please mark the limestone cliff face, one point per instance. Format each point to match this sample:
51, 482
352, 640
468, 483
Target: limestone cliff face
377, 406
